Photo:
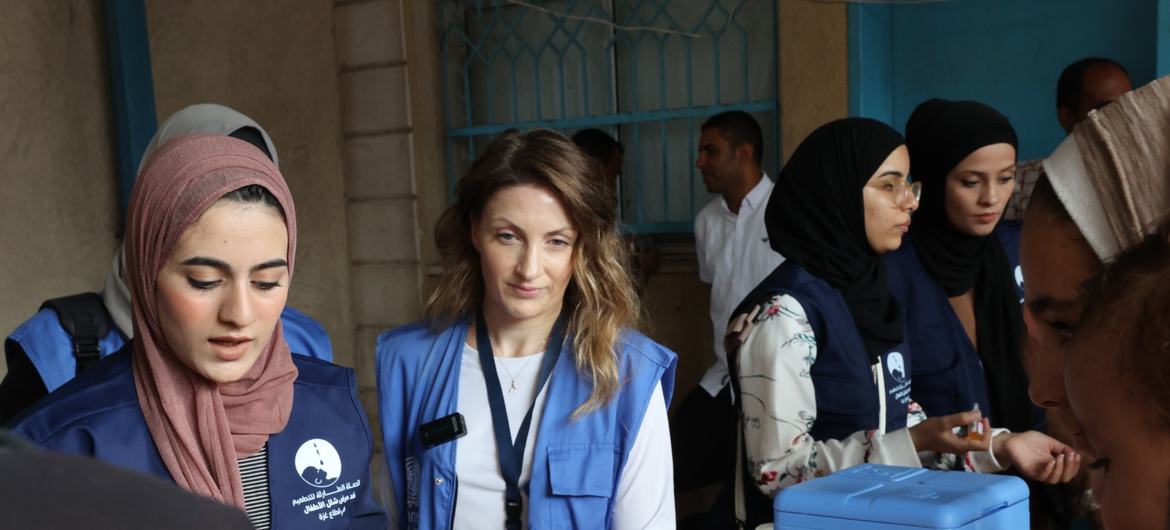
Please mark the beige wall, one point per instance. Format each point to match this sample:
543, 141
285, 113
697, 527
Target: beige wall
677, 308
58, 209
422, 44
814, 62
381, 136
58, 199
274, 61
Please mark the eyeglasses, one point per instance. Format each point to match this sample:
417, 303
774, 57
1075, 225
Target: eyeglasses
900, 189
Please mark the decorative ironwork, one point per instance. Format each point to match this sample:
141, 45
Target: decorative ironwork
647, 71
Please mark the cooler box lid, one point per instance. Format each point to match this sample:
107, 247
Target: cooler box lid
913, 497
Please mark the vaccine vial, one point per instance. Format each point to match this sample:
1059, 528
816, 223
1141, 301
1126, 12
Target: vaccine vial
974, 431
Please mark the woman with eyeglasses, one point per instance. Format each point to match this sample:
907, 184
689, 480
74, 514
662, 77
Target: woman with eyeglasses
957, 278
823, 365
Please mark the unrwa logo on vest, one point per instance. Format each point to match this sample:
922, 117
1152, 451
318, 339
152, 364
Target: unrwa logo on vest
897, 366
318, 463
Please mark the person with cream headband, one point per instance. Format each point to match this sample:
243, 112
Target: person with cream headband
1105, 195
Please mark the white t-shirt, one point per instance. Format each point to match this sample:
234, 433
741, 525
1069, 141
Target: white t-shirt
734, 256
645, 491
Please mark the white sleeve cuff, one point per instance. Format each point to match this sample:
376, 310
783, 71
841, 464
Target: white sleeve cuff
985, 461
896, 448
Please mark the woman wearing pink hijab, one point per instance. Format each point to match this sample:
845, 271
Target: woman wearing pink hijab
208, 393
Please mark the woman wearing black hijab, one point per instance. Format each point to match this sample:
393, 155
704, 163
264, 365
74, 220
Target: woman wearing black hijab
957, 274
822, 373
958, 278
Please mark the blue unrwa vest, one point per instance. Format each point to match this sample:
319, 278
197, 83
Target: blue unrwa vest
50, 348
948, 375
847, 393
576, 464
318, 466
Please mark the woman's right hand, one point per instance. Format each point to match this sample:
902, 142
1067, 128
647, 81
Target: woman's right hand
938, 434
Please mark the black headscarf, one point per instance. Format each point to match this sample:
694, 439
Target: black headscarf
940, 134
816, 219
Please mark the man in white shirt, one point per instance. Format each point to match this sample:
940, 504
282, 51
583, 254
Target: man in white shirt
734, 256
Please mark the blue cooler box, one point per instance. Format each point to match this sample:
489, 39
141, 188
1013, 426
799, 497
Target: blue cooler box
872, 497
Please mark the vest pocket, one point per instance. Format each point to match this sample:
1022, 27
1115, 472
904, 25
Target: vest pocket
581, 469
581, 480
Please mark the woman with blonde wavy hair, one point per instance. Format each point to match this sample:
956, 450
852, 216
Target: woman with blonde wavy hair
524, 398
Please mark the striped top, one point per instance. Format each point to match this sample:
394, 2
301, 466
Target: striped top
254, 476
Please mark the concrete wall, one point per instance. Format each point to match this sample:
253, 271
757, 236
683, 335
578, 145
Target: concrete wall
58, 208
383, 202
813, 73
430, 168
328, 81
57, 186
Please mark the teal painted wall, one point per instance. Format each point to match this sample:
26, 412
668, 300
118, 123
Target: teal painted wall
1006, 53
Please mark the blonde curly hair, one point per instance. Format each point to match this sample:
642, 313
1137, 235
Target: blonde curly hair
600, 298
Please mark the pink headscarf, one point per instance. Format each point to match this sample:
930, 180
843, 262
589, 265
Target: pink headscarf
201, 427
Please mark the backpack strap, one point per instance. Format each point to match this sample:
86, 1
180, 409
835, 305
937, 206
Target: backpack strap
85, 318
739, 499
752, 508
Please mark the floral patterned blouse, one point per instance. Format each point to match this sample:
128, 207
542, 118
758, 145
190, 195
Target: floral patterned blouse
779, 409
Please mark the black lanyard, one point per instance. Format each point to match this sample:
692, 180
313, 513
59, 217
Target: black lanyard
512, 454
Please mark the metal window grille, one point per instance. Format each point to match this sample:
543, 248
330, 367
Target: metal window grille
647, 71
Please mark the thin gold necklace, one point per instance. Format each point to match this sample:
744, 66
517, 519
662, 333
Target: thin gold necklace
512, 386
